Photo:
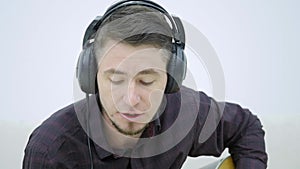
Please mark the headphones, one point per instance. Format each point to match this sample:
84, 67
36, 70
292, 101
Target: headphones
86, 70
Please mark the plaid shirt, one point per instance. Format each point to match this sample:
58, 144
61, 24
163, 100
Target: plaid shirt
61, 141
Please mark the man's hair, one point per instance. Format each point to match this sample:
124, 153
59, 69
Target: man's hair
135, 25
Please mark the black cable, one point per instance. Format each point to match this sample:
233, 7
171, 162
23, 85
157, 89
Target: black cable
88, 131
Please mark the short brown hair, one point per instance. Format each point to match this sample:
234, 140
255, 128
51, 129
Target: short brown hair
135, 25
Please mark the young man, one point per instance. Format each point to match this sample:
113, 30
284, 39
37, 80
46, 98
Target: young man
136, 113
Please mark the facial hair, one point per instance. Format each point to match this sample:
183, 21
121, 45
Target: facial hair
128, 133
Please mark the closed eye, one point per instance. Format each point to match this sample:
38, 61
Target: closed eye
147, 83
116, 82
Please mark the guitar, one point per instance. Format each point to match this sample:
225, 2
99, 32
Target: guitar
224, 163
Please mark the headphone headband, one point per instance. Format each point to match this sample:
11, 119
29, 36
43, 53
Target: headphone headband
124, 3
177, 28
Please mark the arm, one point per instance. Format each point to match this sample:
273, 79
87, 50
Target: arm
248, 149
235, 128
35, 158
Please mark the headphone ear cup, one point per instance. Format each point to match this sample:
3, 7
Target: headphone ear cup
177, 65
182, 64
176, 70
86, 70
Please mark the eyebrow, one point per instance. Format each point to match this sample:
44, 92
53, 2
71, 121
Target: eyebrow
148, 71
114, 71
143, 72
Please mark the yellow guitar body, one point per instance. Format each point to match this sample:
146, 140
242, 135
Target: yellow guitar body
225, 163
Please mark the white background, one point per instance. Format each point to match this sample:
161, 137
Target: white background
257, 43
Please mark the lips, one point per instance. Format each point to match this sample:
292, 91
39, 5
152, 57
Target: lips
131, 116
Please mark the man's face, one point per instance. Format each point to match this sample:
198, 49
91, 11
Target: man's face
131, 82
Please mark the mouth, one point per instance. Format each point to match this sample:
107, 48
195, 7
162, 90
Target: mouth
131, 116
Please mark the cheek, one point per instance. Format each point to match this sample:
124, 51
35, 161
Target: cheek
155, 99
106, 101
105, 94
110, 98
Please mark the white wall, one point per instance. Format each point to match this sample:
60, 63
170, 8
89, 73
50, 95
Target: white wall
257, 43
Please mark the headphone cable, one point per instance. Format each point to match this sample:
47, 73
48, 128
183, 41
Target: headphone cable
88, 131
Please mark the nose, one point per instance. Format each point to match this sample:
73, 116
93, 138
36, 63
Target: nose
132, 96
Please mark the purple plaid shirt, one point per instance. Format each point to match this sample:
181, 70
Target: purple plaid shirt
61, 141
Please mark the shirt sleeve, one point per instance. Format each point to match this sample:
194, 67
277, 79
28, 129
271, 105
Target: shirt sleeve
35, 158
227, 125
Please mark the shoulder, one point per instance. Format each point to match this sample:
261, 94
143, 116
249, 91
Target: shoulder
194, 94
192, 97
209, 107
51, 132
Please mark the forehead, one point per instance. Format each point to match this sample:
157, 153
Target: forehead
132, 59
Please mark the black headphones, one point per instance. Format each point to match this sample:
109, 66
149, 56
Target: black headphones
86, 71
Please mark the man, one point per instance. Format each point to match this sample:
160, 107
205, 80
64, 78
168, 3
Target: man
136, 113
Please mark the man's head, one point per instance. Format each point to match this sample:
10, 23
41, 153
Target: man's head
132, 49
131, 52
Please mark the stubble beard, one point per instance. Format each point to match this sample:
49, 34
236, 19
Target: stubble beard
127, 132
